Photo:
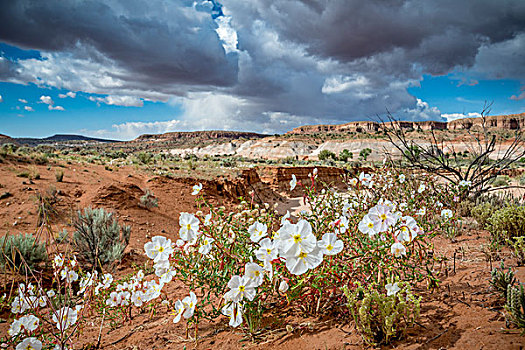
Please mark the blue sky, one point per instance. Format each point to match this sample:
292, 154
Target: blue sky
104, 69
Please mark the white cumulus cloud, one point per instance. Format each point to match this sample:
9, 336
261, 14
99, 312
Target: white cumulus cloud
22, 100
68, 94
29, 108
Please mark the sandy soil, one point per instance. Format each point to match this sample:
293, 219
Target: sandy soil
462, 314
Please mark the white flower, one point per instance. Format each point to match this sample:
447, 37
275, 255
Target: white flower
285, 218
179, 310
68, 275
159, 249
50, 293
464, 183
398, 249
254, 272
293, 182
15, 328
165, 273
257, 231
206, 245
30, 343
421, 188
189, 305
403, 206
267, 251
382, 217
197, 189
137, 298
330, 245
402, 178
422, 211
366, 225
30, 322
234, 312
297, 238
446, 214
65, 317
283, 286
300, 263
392, 289
87, 281
365, 179
342, 223
353, 181
114, 299
240, 287
58, 261
207, 219
189, 227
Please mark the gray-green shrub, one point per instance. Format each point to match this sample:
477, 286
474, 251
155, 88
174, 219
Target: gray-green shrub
507, 223
22, 247
99, 239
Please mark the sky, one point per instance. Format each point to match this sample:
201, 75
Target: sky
120, 68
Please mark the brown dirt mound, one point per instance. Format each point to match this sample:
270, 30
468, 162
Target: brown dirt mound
124, 196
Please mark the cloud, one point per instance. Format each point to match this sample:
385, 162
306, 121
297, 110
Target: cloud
68, 94
29, 108
50, 103
519, 97
46, 99
127, 101
1, 99
453, 116
265, 65
22, 100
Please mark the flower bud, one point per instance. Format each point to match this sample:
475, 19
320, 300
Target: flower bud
283, 287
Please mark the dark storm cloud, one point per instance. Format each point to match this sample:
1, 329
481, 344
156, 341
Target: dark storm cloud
438, 35
159, 42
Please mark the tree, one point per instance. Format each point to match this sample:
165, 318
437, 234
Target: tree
344, 155
365, 152
491, 153
326, 155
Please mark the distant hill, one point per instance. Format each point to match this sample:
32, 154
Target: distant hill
61, 139
201, 135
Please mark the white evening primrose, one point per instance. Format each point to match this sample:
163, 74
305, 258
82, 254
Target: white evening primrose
330, 244
196, 189
283, 286
392, 289
446, 214
421, 188
189, 227
240, 287
402, 178
206, 245
189, 305
303, 261
382, 217
297, 238
255, 272
267, 250
234, 312
257, 231
65, 317
30, 343
293, 182
398, 249
159, 249
366, 226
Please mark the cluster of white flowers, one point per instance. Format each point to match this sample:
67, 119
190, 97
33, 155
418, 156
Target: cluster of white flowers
383, 218
465, 183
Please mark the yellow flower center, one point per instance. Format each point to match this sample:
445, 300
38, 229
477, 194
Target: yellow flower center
269, 251
302, 255
383, 217
370, 225
329, 247
256, 273
242, 288
188, 227
161, 249
297, 238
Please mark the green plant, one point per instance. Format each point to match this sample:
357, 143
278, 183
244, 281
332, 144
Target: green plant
365, 152
99, 238
482, 212
326, 155
59, 175
507, 223
381, 318
46, 206
518, 245
501, 181
501, 280
148, 200
516, 306
144, 157
522, 180
345, 154
18, 248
